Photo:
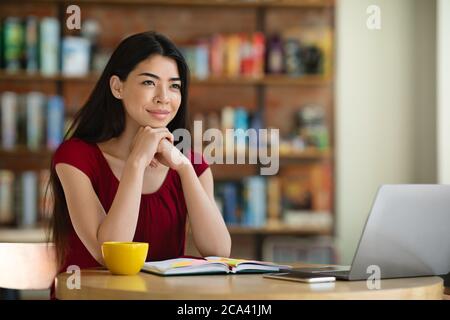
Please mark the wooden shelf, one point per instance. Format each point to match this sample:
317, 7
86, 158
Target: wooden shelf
23, 235
21, 159
266, 92
278, 229
206, 3
24, 76
269, 80
272, 80
39, 234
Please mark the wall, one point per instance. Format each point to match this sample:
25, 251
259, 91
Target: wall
443, 92
385, 107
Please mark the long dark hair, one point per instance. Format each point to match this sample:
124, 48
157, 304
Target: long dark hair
103, 117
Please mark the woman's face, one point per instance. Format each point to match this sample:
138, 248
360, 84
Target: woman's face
151, 94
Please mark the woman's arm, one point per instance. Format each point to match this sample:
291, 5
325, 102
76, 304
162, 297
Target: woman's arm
210, 233
121, 221
92, 225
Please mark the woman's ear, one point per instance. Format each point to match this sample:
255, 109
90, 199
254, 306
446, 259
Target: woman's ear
116, 86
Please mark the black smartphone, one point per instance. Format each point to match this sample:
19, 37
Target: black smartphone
291, 276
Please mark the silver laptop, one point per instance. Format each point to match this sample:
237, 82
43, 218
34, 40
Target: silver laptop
407, 234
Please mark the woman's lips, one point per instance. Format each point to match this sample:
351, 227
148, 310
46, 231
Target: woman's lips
159, 114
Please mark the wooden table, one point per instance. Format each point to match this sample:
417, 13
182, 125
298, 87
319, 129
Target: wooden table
101, 284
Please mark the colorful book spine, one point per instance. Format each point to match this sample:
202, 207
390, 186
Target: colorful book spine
2, 46
55, 122
217, 55
241, 123
233, 56
8, 117
14, 43
202, 61
246, 56
75, 56
256, 123
275, 55
35, 119
31, 43
230, 197
49, 46
292, 61
255, 201
259, 49
189, 53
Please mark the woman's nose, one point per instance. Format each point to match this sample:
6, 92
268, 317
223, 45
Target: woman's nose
162, 96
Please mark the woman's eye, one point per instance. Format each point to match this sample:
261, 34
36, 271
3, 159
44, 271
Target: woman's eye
176, 86
148, 82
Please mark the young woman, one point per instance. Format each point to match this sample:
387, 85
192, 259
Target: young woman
119, 176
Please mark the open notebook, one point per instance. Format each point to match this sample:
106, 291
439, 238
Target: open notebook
208, 265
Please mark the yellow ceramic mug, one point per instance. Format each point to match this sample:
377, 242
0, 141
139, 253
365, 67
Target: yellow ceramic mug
124, 258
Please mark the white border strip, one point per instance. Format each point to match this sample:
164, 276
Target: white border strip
443, 90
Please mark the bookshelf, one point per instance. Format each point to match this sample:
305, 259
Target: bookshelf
39, 234
277, 97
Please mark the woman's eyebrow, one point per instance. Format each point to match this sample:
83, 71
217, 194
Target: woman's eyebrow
148, 74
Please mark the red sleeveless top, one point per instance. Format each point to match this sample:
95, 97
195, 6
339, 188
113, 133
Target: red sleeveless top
162, 214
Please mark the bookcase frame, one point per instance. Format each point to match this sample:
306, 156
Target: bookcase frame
22, 159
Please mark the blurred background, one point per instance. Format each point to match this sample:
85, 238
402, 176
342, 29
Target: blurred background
357, 89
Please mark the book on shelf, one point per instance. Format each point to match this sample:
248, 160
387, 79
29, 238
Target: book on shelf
232, 64
246, 56
226, 55
35, 119
210, 265
55, 122
230, 202
75, 56
217, 54
227, 118
28, 216
254, 201
256, 123
31, 120
258, 53
241, 126
202, 60
13, 33
9, 106
31, 43
22, 201
49, 46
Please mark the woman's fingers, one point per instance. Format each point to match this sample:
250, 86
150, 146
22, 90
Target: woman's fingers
164, 142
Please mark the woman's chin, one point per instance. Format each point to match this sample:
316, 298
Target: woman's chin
154, 124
